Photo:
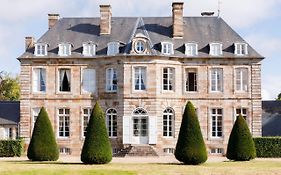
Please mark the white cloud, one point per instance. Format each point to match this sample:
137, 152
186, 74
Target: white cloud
271, 86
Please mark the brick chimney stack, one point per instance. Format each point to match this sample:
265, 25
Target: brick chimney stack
29, 42
105, 19
177, 19
53, 19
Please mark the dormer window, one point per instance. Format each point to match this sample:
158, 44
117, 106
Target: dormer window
113, 48
139, 46
215, 49
64, 49
191, 49
41, 49
89, 49
241, 49
167, 48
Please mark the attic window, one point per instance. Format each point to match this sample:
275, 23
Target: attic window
89, 49
215, 49
191, 49
40, 49
140, 46
167, 48
241, 49
113, 48
64, 49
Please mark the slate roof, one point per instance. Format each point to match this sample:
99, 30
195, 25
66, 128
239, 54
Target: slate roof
202, 30
271, 118
9, 112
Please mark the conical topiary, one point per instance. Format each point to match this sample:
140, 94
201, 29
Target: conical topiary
43, 146
241, 146
190, 148
97, 148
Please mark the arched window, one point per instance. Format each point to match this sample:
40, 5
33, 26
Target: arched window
111, 122
140, 111
168, 122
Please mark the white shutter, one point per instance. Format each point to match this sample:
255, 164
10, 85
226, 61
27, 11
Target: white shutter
88, 80
126, 129
152, 129
35, 80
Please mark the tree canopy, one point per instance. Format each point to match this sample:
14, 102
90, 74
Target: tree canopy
9, 87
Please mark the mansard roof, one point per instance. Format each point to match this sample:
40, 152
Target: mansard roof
202, 30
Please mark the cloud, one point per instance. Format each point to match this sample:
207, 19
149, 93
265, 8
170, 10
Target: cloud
271, 86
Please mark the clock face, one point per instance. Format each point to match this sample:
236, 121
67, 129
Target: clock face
139, 46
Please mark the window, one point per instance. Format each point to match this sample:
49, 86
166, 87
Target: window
39, 80
241, 79
89, 49
85, 119
169, 150
167, 48
64, 80
112, 48
215, 49
89, 80
168, 79
140, 78
111, 117
64, 122
111, 80
7, 133
242, 111
217, 151
191, 49
241, 49
35, 113
191, 80
140, 123
217, 79
168, 122
65, 150
139, 46
40, 49
64, 49
216, 122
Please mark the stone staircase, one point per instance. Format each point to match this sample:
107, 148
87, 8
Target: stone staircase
136, 150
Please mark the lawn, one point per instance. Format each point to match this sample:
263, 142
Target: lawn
255, 167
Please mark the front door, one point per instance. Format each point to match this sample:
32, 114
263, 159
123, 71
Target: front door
140, 130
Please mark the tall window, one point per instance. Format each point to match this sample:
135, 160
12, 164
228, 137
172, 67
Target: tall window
168, 122
215, 49
168, 79
40, 49
217, 80
140, 78
242, 111
241, 49
64, 80
39, 80
191, 49
89, 49
241, 79
113, 48
64, 122
85, 120
191, 80
64, 49
216, 122
35, 113
167, 48
89, 80
111, 80
111, 117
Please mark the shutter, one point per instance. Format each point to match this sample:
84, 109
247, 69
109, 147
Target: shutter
126, 130
152, 129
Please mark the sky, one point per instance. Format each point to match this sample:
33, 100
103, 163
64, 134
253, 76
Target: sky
257, 21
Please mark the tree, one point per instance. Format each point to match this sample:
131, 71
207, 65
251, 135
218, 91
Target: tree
241, 146
43, 146
279, 97
97, 147
9, 87
190, 148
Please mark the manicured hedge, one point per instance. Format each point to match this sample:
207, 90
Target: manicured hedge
268, 146
11, 148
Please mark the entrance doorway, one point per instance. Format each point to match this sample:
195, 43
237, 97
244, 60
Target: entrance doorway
140, 126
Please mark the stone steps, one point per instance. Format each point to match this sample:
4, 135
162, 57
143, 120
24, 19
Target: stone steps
136, 150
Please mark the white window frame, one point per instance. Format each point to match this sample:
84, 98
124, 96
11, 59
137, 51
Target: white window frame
60, 80
141, 72
241, 79
84, 116
113, 48
241, 49
215, 49
36, 79
191, 49
170, 123
88, 83
218, 83
170, 79
41, 49
89, 49
65, 150
110, 80
65, 118
216, 115
111, 114
64, 49
245, 115
187, 71
216, 151
167, 48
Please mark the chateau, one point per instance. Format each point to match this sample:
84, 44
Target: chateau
142, 70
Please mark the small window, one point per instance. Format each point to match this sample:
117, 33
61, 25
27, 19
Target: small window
111, 122
241, 49
64, 49
217, 151
241, 75
169, 150
216, 122
140, 78
85, 119
167, 48
89, 80
140, 46
216, 80
113, 48
64, 122
191, 49
65, 150
215, 49
39, 80
64, 80
89, 49
242, 111
111, 80
168, 79
41, 49
191, 80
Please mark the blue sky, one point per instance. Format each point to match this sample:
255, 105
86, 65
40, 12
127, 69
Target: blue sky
257, 21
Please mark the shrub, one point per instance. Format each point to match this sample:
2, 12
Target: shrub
43, 146
241, 146
97, 148
190, 148
268, 146
11, 148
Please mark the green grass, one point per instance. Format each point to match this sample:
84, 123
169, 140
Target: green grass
255, 167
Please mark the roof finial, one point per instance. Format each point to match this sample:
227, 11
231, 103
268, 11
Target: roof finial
219, 7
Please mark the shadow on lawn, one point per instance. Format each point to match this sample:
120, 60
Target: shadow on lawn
45, 162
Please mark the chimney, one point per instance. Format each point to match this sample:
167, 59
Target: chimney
53, 19
105, 19
29, 42
177, 19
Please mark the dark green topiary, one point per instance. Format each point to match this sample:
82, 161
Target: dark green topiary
97, 148
241, 146
190, 148
43, 146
